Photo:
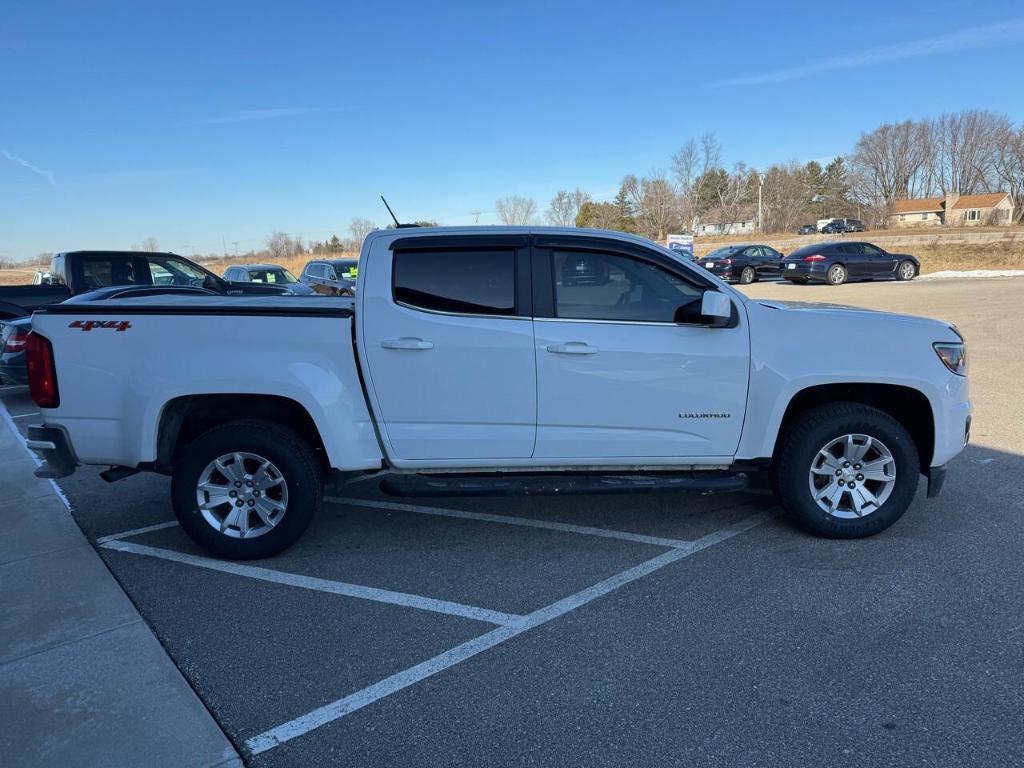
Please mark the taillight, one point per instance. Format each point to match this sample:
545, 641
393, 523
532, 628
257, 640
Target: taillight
815, 257
42, 374
16, 341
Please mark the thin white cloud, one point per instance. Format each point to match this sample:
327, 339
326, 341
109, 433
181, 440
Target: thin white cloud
986, 36
250, 115
48, 175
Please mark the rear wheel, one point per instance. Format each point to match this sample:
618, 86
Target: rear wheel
846, 470
246, 489
747, 276
906, 271
836, 274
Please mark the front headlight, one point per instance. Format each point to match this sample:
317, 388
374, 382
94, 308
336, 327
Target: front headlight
953, 355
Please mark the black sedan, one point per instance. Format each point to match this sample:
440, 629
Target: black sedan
808, 229
838, 263
743, 263
13, 337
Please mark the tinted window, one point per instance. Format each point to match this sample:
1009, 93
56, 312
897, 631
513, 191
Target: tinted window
809, 250
871, 250
103, 271
315, 270
471, 282
603, 286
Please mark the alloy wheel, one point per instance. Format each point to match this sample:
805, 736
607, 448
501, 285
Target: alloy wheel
852, 476
242, 495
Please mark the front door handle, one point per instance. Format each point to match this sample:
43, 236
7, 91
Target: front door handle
572, 348
407, 342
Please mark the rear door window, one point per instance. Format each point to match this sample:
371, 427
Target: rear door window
476, 282
104, 270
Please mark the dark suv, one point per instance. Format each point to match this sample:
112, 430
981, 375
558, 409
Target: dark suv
331, 277
743, 263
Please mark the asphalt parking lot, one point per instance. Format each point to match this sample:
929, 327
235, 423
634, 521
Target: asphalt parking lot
643, 630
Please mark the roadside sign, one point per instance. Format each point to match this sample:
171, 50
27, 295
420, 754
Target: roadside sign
681, 243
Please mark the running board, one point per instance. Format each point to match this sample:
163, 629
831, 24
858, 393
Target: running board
559, 484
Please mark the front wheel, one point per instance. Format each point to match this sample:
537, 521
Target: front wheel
747, 276
246, 489
846, 470
906, 271
836, 274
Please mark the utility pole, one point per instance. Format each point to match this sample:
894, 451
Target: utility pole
476, 216
235, 243
760, 185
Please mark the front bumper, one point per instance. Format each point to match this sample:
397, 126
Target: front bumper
53, 447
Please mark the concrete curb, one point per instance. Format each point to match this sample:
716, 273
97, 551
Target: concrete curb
83, 680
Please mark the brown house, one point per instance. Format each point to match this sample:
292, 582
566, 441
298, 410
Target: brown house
953, 210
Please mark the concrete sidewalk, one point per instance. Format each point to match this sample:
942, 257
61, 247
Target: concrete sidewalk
83, 681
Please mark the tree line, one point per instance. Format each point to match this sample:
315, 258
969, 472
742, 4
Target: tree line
969, 152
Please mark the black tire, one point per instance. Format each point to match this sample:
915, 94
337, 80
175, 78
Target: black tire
290, 454
836, 275
814, 429
747, 275
906, 270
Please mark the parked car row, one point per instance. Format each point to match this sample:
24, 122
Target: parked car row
833, 227
831, 263
328, 277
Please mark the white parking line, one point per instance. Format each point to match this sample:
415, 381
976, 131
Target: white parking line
586, 530
26, 415
136, 532
337, 709
322, 585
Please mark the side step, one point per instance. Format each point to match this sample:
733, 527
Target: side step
559, 484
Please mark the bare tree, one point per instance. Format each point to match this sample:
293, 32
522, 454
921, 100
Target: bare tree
891, 162
150, 245
279, 245
565, 207
515, 210
1008, 164
964, 148
786, 194
359, 229
692, 165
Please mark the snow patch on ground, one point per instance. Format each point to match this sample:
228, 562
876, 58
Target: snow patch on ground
955, 274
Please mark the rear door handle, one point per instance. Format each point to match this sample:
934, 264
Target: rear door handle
572, 348
407, 343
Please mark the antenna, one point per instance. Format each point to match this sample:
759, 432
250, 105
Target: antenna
395, 218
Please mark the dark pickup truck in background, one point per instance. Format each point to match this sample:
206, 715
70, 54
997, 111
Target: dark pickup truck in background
79, 272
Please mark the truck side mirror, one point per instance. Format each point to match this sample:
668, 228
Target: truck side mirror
715, 309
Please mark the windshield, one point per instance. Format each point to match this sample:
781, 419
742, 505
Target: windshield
273, 276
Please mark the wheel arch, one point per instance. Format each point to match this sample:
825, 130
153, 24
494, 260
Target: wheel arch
185, 418
909, 406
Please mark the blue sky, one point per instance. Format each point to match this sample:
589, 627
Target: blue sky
200, 123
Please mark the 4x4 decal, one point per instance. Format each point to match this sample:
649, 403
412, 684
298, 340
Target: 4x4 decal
88, 325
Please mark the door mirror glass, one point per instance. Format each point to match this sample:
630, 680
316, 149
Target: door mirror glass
715, 309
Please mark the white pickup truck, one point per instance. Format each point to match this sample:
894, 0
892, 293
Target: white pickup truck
499, 360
